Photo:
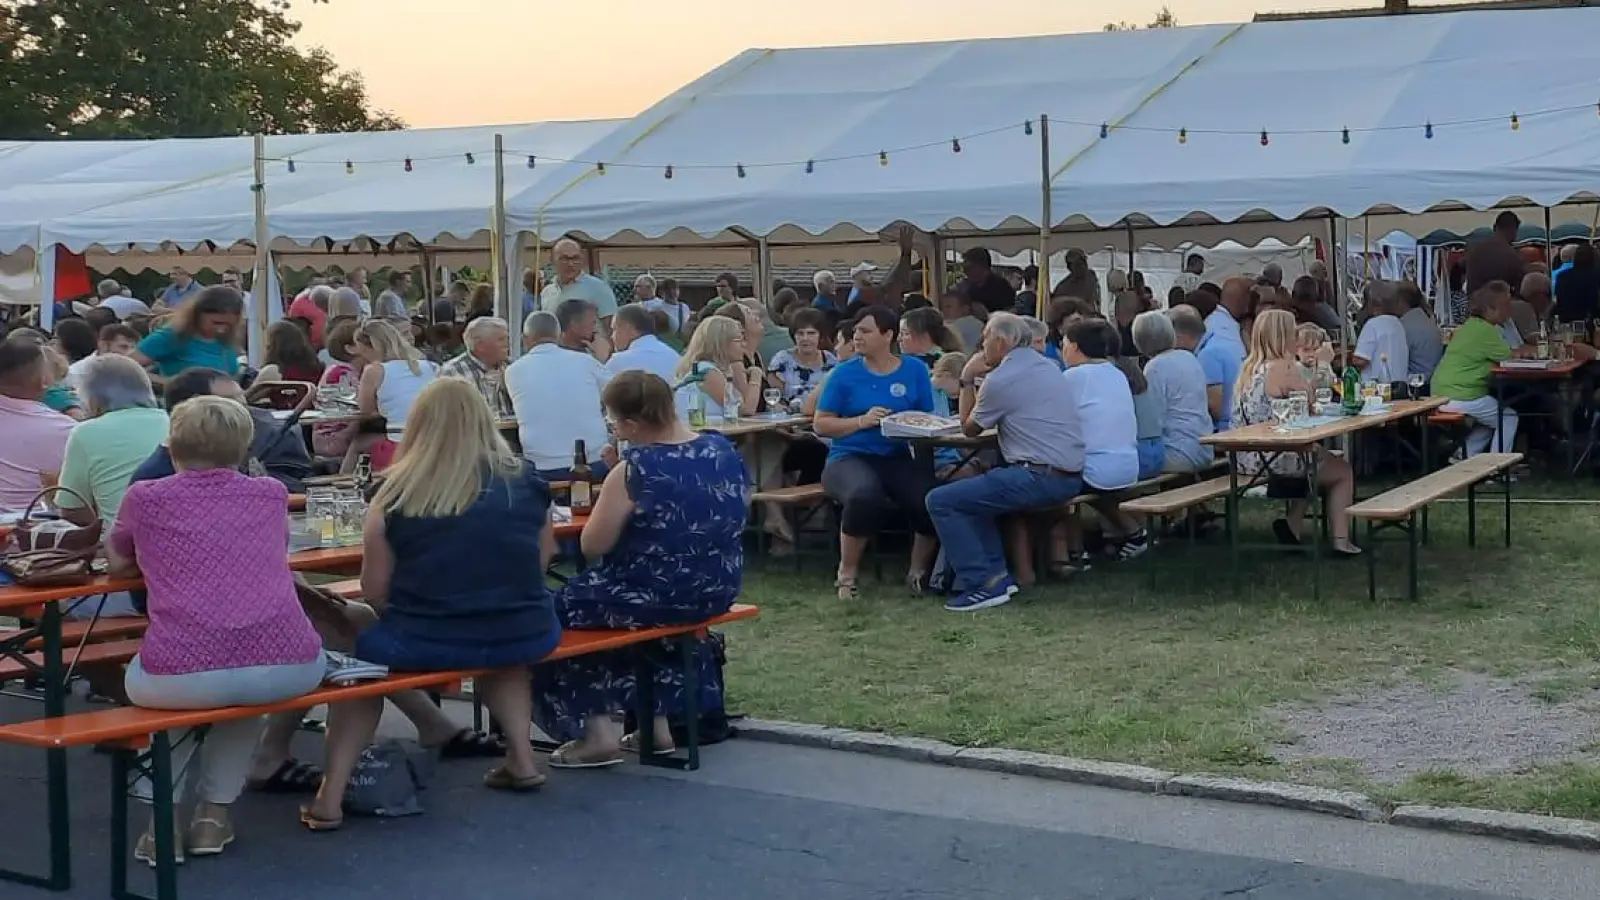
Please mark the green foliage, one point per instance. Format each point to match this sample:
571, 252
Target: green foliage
168, 68
1164, 19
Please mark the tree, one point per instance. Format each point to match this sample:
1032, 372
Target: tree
1163, 19
168, 68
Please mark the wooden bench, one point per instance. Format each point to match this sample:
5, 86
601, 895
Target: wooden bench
79, 631
799, 503
1398, 509
1164, 504
30, 665
142, 747
1454, 428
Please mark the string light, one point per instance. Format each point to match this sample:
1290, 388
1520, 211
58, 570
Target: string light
668, 173
883, 158
471, 160
532, 161
1105, 131
291, 166
349, 167
1516, 123
600, 167
955, 145
1183, 135
740, 169
1027, 127
1427, 131
1345, 136
810, 167
1264, 139
408, 164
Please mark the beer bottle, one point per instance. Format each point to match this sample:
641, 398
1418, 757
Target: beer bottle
582, 478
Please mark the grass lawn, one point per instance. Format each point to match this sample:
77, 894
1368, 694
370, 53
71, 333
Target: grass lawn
1181, 677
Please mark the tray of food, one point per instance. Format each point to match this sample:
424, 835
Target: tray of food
919, 425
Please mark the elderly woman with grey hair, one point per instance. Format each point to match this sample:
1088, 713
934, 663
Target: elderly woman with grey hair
124, 427
345, 303
1177, 382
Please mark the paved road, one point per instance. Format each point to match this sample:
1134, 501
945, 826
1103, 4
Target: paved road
764, 821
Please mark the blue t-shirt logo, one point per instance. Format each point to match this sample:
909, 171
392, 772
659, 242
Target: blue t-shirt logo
897, 390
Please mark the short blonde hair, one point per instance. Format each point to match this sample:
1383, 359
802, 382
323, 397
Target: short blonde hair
949, 365
210, 433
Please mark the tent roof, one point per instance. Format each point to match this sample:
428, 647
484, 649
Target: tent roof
1380, 77
197, 191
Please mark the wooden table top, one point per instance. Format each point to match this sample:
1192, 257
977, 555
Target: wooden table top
1552, 371
1266, 436
755, 425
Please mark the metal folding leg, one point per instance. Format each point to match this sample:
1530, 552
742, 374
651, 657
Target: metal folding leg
55, 690
645, 707
127, 766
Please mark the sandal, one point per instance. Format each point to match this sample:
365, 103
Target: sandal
314, 822
501, 779
847, 588
630, 744
469, 744
571, 756
291, 777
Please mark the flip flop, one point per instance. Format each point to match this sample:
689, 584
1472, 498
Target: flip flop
469, 744
292, 777
501, 779
313, 822
567, 756
630, 744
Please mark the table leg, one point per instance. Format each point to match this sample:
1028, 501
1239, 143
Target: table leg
55, 705
1318, 509
1232, 508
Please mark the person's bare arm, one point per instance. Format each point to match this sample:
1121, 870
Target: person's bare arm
829, 425
1214, 397
377, 560
547, 543
898, 280
610, 515
367, 390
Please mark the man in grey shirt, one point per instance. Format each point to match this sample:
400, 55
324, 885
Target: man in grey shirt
1040, 437
391, 304
1424, 343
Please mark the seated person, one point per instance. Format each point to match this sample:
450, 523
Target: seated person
1178, 383
1271, 370
33, 438
488, 341
1382, 354
289, 355
1020, 396
276, 451
455, 549
667, 529
1315, 353
226, 626
392, 374
868, 473
1462, 375
555, 392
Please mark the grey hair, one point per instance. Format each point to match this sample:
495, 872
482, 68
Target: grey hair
1273, 273
1186, 321
1153, 333
108, 288
1039, 329
1116, 281
1010, 329
541, 326
483, 328
823, 276
646, 278
344, 302
113, 382
322, 296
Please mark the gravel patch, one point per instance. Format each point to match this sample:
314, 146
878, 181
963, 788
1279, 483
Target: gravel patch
1471, 725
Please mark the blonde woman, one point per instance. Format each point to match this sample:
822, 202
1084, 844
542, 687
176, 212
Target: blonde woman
713, 364
1271, 370
226, 626
393, 373
205, 332
454, 553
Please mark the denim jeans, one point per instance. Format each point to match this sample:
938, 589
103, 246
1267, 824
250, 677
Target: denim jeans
964, 514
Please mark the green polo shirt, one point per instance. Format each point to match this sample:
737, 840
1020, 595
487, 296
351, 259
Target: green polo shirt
1473, 351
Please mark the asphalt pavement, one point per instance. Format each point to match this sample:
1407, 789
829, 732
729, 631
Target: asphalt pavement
792, 823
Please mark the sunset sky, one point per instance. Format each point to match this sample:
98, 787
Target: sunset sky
473, 62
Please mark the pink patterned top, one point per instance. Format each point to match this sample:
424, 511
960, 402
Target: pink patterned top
214, 548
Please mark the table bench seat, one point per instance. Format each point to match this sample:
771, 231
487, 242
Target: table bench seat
798, 495
79, 631
105, 653
1166, 503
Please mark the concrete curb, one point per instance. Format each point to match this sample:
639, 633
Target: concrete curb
1550, 830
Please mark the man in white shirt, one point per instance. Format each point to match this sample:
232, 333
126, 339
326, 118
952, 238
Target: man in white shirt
573, 283
638, 348
112, 298
556, 395
679, 315
1194, 269
1382, 354
113, 340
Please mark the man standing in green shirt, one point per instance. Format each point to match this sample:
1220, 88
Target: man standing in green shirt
1477, 346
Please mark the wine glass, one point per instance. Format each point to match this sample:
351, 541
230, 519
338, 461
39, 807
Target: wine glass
1415, 381
1299, 405
773, 396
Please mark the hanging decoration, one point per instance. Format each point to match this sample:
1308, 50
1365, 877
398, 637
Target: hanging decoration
741, 170
1427, 131
955, 145
1183, 135
470, 159
669, 173
1264, 139
408, 164
349, 167
532, 161
883, 158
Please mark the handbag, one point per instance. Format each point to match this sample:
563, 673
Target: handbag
53, 552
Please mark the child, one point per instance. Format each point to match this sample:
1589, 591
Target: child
1315, 355
947, 464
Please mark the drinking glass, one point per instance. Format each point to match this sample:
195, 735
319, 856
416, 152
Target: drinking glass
1415, 381
1282, 408
1299, 406
774, 397
1324, 397
350, 511
321, 515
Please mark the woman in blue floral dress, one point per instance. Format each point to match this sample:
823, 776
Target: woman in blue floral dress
667, 528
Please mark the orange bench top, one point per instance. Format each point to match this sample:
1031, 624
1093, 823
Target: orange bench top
107, 652
134, 725
107, 629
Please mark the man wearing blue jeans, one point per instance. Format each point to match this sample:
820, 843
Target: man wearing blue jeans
1024, 399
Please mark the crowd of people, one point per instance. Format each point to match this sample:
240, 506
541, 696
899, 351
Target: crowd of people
144, 419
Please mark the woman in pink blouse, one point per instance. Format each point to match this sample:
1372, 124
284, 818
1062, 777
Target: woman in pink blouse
226, 627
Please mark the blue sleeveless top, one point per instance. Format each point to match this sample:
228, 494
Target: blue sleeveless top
474, 578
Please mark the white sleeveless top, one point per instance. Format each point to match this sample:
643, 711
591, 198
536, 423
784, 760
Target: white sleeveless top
399, 390
713, 406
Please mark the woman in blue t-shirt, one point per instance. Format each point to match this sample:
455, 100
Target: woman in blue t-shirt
204, 333
867, 472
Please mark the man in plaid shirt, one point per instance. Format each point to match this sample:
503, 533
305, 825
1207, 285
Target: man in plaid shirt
488, 341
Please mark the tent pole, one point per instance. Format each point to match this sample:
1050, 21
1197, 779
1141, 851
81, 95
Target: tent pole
259, 281
502, 296
1548, 259
1045, 218
1131, 263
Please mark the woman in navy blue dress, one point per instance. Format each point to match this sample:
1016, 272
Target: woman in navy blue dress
667, 529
